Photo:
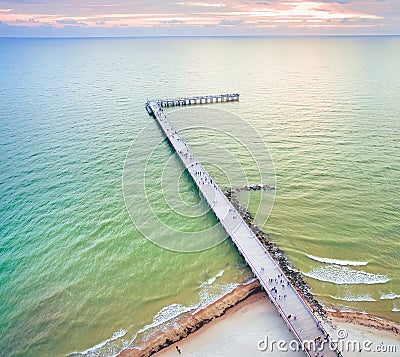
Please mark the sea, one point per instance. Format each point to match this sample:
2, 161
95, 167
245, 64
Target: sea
85, 270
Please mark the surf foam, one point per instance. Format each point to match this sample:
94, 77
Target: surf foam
336, 261
209, 295
349, 309
343, 275
349, 297
100, 348
167, 316
214, 278
389, 296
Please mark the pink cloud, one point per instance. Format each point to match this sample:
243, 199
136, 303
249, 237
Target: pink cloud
201, 4
289, 13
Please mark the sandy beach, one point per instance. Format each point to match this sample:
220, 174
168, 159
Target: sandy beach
239, 331
239, 323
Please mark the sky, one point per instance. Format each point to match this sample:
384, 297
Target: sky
87, 18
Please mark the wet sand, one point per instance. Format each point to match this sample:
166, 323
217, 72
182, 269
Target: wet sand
366, 320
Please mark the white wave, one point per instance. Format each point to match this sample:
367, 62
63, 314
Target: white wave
209, 295
349, 297
166, 314
252, 280
95, 350
389, 296
211, 280
396, 309
329, 309
214, 278
349, 309
221, 272
106, 348
342, 275
336, 261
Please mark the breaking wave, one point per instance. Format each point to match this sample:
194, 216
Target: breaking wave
167, 316
102, 348
342, 275
210, 294
349, 297
389, 296
349, 309
214, 278
336, 261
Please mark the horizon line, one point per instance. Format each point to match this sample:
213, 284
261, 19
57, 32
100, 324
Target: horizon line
198, 36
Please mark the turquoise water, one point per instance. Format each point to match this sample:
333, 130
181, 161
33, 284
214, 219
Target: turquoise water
76, 273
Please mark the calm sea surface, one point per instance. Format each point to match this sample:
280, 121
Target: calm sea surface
77, 276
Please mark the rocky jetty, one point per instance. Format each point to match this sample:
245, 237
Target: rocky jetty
253, 188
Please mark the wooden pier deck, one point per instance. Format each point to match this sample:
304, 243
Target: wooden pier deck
291, 306
206, 99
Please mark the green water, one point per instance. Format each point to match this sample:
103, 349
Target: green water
75, 272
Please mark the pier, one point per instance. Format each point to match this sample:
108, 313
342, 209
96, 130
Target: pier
206, 99
296, 313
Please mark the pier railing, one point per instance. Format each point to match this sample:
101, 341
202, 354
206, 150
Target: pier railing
205, 99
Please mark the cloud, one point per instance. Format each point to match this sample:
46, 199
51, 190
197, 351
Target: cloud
202, 4
31, 20
190, 16
67, 22
102, 5
338, 1
174, 22
225, 22
28, 2
343, 2
71, 22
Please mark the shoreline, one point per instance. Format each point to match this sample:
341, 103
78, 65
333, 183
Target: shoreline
238, 298
363, 319
192, 322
